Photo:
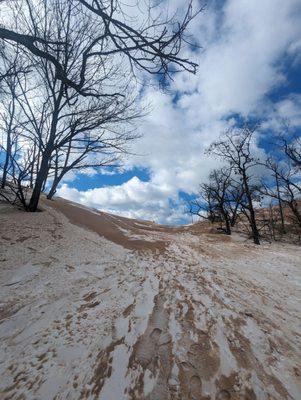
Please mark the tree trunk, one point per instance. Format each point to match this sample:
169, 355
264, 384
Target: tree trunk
280, 205
294, 208
57, 179
8, 143
226, 218
255, 232
5, 166
228, 225
234, 217
45, 164
32, 166
41, 176
272, 223
53, 188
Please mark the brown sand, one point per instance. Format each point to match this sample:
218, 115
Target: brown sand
94, 306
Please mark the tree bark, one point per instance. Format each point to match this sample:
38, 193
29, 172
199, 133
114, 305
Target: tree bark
294, 208
44, 168
228, 226
41, 176
255, 232
280, 204
8, 142
53, 188
5, 166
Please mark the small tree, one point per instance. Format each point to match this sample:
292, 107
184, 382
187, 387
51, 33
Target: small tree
219, 182
271, 188
219, 199
16, 189
235, 196
235, 148
287, 189
203, 206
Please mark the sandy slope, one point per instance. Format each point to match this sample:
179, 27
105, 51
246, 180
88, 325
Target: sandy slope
144, 312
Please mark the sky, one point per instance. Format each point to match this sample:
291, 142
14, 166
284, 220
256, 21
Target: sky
249, 67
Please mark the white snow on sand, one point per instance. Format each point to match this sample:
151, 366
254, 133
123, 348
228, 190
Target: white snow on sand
84, 318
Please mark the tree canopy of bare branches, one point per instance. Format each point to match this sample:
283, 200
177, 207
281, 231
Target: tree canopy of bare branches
74, 99
219, 200
152, 43
234, 147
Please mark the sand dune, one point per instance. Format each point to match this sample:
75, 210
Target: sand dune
95, 306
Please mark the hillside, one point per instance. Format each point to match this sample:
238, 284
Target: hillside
95, 306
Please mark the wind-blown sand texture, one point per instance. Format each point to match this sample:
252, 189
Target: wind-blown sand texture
95, 306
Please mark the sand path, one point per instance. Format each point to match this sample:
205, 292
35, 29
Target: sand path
94, 306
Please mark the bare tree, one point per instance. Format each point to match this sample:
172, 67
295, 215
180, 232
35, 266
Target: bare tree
55, 120
235, 195
204, 205
287, 189
235, 148
9, 114
84, 57
15, 189
292, 149
153, 45
268, 188
218, 186
219, 199
95, 148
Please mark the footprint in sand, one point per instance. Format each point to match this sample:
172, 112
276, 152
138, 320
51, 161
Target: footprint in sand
159, 337
186, 365
155, 335
223, 395
195, 387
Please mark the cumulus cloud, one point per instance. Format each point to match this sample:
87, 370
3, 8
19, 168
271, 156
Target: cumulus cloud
283, 115
133, 199
244, 46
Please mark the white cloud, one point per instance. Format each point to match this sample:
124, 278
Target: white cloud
241, 62
289, 109
283, 114
133, 199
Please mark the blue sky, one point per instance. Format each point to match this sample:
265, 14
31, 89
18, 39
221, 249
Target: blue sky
249, 67
85, 182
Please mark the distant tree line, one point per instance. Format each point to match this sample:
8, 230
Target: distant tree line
69, 86
251, 190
